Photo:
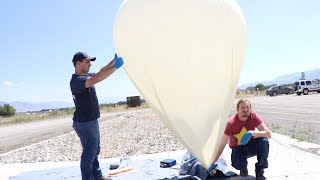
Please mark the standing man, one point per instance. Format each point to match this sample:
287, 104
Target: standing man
248, 136
85, 118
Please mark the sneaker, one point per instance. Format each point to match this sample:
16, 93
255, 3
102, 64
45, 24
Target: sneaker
260, 176
244, 172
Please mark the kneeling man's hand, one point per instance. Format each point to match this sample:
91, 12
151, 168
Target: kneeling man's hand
246, 138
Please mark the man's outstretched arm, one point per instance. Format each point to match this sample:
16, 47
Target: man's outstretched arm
105, 71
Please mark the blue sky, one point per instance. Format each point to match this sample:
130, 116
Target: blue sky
39, 38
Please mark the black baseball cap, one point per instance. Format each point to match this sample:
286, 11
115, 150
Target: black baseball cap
79, 56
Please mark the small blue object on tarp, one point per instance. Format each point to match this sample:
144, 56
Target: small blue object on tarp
167, 163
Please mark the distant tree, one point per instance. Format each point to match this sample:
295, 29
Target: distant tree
7, 110
259, 86
2, 111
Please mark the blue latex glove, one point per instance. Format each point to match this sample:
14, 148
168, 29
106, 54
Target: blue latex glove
118, 62
212, 166
246, 137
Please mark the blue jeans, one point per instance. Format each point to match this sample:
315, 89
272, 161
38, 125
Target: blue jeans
256, 146
89, 135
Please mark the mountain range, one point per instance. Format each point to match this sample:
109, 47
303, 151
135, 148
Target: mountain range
27, 106
286, 79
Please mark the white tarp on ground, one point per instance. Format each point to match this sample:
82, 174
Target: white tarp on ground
285, 162
185, 58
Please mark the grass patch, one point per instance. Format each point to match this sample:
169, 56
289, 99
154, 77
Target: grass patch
305, 135
245, 94
35, 116
275, 126
122, 107
21, 119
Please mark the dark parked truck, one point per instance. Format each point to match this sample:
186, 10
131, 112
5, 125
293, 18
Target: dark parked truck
275, 90
306, 86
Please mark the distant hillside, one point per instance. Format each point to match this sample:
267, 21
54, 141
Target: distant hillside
25, 106
286, 79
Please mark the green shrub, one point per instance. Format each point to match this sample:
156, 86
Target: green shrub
6, 110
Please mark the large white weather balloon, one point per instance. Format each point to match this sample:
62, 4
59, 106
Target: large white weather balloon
185, 58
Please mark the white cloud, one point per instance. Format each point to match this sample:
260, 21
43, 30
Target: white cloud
12, 84
9, 83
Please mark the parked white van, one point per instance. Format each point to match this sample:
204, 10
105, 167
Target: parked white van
306, 86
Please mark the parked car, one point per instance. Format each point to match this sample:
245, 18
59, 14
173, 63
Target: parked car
275, 90
306, 86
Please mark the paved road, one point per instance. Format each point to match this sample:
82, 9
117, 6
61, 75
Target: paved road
291, 115
19, 135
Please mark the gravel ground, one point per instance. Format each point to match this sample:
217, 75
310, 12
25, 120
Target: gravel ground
134, 133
